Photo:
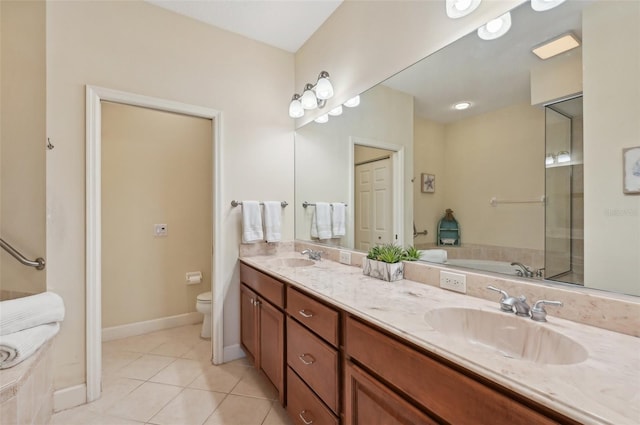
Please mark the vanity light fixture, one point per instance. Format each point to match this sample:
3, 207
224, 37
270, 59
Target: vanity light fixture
336, 111
495, 28
459, 8
542, 5
554, 47
322, 119
461, 106
353, 102
313, 96
550, 159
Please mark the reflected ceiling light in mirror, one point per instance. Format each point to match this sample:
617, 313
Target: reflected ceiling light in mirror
495, 28
336, 111
461, 106
459, 8
563, 157
556, 46
313, 96
353, 102
550, 159
542, 5
322, 119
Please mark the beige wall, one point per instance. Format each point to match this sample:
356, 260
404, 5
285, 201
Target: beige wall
22, 142
156, 168
366, 154
557, 78
612, 233
497, 154
128, 46
365, 42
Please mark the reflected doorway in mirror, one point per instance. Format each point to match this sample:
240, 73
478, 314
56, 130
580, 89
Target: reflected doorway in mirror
428, 183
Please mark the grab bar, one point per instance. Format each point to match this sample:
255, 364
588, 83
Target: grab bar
39, 262
495, 201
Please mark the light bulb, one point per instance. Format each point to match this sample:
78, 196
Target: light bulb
322, 119
353, 102
309, 99
563, 156
549, 159
542, 5
495, 28
459, 8
336, 111
295, 107
462, 106
324, 89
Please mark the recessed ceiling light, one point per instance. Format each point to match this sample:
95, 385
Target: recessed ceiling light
459, 8
556, 46
542, 5
495, 28
461, 106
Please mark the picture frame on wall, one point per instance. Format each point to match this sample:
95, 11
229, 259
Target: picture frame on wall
631, 170
428, 183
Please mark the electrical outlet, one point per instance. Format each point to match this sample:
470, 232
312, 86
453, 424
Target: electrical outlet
345, 257
453, 281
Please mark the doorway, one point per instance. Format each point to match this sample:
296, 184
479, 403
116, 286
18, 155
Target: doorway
95, 98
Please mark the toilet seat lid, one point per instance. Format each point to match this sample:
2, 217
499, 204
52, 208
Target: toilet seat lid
205, 296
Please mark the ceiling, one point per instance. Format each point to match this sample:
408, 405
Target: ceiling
286, 24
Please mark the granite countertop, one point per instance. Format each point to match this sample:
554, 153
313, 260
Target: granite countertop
603, 389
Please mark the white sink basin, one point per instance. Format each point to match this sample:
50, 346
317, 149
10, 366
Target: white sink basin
508, 335
293, 262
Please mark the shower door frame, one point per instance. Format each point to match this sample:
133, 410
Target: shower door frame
94, 95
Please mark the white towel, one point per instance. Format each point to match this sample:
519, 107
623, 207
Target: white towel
18, 346
272, 226
251, 222
338, 220
27, 312
433, 255
321, 221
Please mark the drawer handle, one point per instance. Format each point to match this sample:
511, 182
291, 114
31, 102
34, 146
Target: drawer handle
307, 362
306, 314
305, 420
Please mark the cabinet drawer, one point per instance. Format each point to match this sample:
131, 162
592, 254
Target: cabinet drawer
315, 361
269, 288
303, 406
316, 316
449, 394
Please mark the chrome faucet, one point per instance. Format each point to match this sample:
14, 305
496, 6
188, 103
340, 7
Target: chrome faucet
524, 270
313, 255
538, 313
521, 307
510, 304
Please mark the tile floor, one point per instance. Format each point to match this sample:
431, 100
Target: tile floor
166, 378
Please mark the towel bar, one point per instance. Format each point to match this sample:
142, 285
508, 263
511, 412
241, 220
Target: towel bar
306, 204
235, 203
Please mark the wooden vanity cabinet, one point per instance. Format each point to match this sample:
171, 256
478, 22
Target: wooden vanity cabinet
313, 360
262, 324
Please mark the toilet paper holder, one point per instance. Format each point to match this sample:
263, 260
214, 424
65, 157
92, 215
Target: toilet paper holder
194, 277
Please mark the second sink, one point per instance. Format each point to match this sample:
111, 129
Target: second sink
509, 336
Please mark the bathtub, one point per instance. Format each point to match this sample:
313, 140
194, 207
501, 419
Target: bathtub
503, 267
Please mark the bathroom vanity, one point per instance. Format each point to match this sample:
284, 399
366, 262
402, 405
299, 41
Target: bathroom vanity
357, 350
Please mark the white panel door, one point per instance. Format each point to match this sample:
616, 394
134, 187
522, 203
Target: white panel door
373, 197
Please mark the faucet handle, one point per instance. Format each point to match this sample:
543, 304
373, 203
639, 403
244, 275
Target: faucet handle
503, 306
538, 313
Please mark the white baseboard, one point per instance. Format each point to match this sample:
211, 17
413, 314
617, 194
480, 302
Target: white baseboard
233, 352
140, 328
69, 397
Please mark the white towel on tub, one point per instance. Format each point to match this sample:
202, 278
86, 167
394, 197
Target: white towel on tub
27, 312
433, 255
251, 222
18, 346
272, 226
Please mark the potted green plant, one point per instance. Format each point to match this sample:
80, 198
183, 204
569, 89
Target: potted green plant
385, 261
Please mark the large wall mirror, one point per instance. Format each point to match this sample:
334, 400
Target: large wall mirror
532, 169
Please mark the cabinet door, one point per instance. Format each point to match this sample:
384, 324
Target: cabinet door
368, 402
249, 324
272, 344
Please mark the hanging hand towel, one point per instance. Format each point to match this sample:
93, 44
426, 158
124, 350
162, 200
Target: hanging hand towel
27, 312
338, 220
321, 221
272, 213
251, 222
18, 346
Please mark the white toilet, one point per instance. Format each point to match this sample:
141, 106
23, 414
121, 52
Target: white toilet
203, 305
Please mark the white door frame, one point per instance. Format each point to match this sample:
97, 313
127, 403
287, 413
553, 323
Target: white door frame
397, 162
93, 309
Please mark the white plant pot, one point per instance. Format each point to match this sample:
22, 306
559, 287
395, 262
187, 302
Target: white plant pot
381, 270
